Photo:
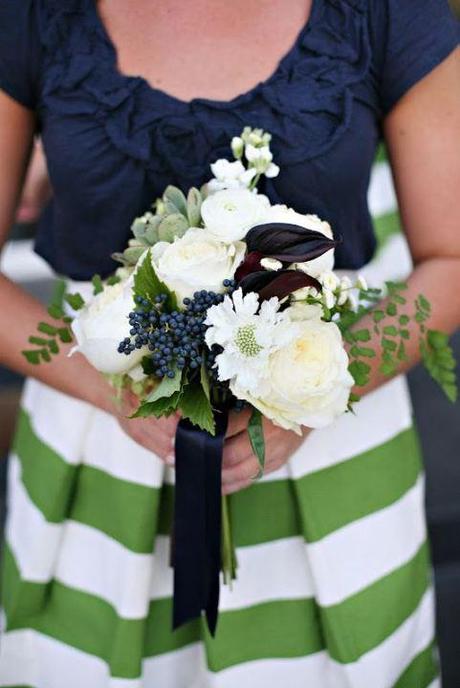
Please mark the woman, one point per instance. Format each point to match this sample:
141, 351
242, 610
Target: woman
333, 588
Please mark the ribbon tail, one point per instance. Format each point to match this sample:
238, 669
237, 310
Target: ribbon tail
197, 522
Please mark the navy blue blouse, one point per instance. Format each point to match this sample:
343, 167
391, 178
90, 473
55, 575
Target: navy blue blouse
113, 142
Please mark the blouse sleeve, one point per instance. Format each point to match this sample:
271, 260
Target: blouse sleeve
418, 35
19, 51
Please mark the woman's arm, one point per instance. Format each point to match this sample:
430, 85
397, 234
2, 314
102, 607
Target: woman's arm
422, 133
423, 137
20, 313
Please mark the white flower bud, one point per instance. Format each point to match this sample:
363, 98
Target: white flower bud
272, 170
271, 264
361, 283
328, 298
237, 145
329, 280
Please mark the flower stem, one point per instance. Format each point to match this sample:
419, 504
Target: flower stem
229, 562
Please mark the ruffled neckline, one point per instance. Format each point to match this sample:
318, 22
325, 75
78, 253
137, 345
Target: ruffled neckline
220, 104
306, 103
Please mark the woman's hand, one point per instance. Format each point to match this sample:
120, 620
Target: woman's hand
155, 434
240, 465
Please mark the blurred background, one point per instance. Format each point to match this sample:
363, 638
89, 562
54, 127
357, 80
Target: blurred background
437, 420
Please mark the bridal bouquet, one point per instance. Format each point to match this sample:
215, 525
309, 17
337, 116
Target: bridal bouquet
224, 301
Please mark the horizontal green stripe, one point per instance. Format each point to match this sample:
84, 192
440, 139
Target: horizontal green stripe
48, 478
381, 154
281, 628
287, 628
367, 618
421, 671
338, 495
386, 226
313, 506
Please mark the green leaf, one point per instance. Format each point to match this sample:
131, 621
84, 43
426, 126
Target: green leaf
424, 303
390, 331
391, 309
172, 226
75, 301
47, 329
112, 280
204, 379
256, 438
32, 356
57, 297
194, 207
354, 398
404, 334
177, 198
361, 336
360, 372
404, 320
167, 387
53, 346
365, 351
130, 255
55, 311
165, 406
45, 355
196, 407
98, 287
389, 344
387, 369
378, 315
148, 285
38, 341
437, 340
65, 335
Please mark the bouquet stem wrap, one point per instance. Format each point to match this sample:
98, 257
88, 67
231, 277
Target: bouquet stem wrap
198, 521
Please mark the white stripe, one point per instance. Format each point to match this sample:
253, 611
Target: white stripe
382, 666
20, 263
381, 195
95, 563
436, 683
355, 556
58, 420
33, 659
378, 417
87, 559
277, 570
392, 262
33, 541
110, 449
30, 658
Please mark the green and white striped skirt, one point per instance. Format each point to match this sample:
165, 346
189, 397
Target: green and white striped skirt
334, 582
333, 587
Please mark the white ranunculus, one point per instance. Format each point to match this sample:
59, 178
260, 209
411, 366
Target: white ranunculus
101, 325
308, 381
315, 267
229, 214
198, 260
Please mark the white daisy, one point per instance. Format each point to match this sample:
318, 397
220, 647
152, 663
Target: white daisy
248, 336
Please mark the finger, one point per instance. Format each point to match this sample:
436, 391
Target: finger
236, 487
236, 449
237, 422
245, 470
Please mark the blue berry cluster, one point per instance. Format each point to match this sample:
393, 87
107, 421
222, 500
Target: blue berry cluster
176, 339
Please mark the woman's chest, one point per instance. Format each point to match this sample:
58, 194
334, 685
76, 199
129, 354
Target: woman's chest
203, 48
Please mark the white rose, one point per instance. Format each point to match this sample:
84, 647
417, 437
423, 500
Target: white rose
229, 214
102, 324
196, 261
308, 382
271, 264
315, 267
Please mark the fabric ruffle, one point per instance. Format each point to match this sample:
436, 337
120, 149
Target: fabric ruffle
309, 97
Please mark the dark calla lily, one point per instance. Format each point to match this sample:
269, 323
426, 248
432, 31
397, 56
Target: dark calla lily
268, 283
250, 264
288, 242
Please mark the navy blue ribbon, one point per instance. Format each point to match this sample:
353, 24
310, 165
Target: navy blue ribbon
197, 522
